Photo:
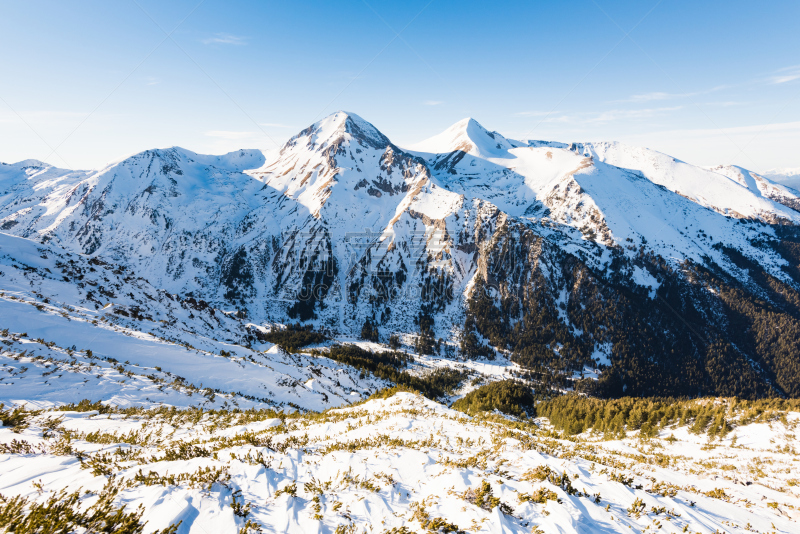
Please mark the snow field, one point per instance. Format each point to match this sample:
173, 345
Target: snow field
399, 462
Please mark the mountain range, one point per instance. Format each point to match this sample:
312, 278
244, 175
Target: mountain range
607, 268
785, 176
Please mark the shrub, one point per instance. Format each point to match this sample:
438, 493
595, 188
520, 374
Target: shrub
369, 331
508, 396
61, 513
86, 406
540, 496
293, 337
386, 365
16, 418
484, 498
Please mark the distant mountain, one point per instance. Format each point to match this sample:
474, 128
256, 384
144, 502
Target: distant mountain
787, 177
670, 278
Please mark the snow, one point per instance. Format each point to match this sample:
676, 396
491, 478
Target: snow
174, 340
602, 353
390, 463
705, 187
467, 135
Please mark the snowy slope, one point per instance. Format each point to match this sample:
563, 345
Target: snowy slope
469, 137
404, 464
708, 188
761, 186
145, 211
450, 152
54, 306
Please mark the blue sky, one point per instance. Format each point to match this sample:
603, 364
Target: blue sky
87, 82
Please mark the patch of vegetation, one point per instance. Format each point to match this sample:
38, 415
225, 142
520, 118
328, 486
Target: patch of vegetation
294, 337
388, 366
86, 406
17, 418
366, 359
425, 342
484, 498
204, 478
472, 348
289, 489
388, 393
319, 276
237, 276
544, 473
508, 396
369, 331
540, 496
61, 513
431, 524
576, 414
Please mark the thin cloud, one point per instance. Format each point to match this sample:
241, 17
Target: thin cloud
558, 119
778, 127
770, 144
649, 97
41, 116
785, 78
610, 115
225, 38
433, 102
532, 113
274, 125
618, 114
661, 95
725, 104
225, 134
49, 118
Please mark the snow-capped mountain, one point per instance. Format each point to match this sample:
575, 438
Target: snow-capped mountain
546, 251
611, 190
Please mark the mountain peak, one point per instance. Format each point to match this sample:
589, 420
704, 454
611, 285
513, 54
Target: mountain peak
331, 129
468, 136
30, 163
465, 123
174, 157
470, 129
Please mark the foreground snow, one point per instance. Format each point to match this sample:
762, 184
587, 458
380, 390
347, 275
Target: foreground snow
405, 462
